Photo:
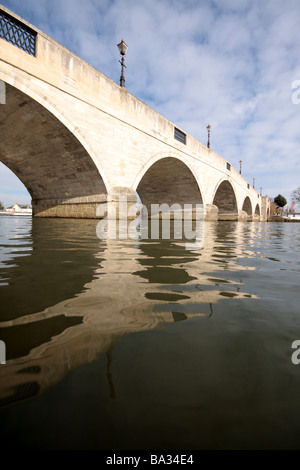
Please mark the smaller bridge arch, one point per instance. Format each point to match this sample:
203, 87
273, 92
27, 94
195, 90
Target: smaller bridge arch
247, 207
225, 200
167, 180
257, 212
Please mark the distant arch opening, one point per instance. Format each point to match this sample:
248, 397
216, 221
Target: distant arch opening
12, 190
257, 210
225, 201
247, 207
49, 160
169, 181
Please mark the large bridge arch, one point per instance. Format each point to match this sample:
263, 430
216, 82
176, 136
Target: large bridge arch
225, 200
48, 104
48, 155
167, 180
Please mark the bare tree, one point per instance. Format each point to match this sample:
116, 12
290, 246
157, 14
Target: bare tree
296, 196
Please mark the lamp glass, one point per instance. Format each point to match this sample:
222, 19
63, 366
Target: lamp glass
122, 46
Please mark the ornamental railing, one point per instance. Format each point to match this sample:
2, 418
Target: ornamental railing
17, 33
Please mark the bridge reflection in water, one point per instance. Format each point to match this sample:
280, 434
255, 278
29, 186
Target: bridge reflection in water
70, 297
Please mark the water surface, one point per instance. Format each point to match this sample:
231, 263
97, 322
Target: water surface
136, 344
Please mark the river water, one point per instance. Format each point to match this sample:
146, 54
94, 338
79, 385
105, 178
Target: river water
145, 344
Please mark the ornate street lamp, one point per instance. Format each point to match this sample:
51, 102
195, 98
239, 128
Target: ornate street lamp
122, 49
208, 135
253, 182
241, 166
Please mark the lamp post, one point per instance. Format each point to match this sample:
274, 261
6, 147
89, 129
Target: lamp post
122, 46
208, 135
253, 182
241, 166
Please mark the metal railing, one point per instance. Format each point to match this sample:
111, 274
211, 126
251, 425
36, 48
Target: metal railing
17, 33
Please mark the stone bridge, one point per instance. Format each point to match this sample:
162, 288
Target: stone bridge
76, 139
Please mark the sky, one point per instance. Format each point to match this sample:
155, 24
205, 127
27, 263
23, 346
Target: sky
233, 64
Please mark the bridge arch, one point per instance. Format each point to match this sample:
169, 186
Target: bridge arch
48, 155
167, 180
247, 207
52, 108
226, 201
257, 210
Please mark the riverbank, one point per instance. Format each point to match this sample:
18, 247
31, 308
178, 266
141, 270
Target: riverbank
276, 218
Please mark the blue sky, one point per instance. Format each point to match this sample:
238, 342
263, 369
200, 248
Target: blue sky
229, 63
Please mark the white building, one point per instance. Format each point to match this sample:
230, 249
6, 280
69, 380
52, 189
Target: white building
19, 209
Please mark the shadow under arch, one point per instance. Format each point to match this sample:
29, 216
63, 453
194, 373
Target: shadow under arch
257, 210
225, 200
170, 181
46, 154
247, 207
